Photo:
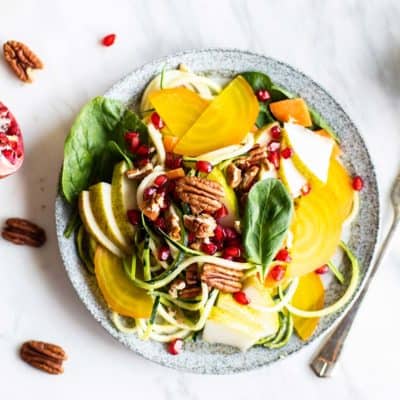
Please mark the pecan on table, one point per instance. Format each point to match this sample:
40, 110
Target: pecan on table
225, 279
21, 59
21, 231
202, 226
44, 356
202, 195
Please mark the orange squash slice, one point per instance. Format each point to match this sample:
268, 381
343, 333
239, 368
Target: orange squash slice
178, 107
309, 295
291, 109
227, 120
118, 290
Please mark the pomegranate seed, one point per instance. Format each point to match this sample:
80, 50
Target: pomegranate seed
241, 298
3, 139
277, 273
108, 40
287, 152
163, 253
219, 233
10, 155
132, 139
149, 192
160, 223
157, 121
14, 145
273, 146
263, 95
230, 233
170, 186
143, 162
323, 269
209, 248
161, 180
283, 255
191, 237
143, 150
358, 183
276, 132
231, 252
233, 243
273, 158
306, 189
173, 161
204, 166
175, 347
221, 212
134, 216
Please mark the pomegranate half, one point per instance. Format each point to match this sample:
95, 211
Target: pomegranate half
11, 143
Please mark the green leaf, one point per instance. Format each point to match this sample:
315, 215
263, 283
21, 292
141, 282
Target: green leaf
319, 122
113, 146
267, 217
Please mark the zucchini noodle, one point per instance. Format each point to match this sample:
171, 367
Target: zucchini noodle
117, 321
156, 138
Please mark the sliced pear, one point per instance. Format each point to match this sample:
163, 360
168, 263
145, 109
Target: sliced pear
91, 225
123, 198
291, 177
101, 204
312, 152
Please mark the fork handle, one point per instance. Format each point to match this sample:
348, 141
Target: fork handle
326, 358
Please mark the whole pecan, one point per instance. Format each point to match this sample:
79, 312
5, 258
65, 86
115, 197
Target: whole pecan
203, 195
21, 59
225, 279
44, 356
21, 231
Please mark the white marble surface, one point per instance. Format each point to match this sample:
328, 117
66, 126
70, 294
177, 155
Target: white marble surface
351, 47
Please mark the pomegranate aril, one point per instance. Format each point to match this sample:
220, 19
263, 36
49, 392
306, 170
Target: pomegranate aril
191, 237
163, 253
149, 192
221, 212
219, 233
275, 132
306, 189
323, 269
204, 166
209, 248
287, 152
263, 95
142, 162
160, 223
175, 347
230, 233
283, 255
170, 186
157, 121
133, 216
277, 273
143, 150
241, 298
10, 155
233, 243
358, 183
273, 146
132, 140
160, 180
273, 158
108, 40
231, 252
3, 139
173, 161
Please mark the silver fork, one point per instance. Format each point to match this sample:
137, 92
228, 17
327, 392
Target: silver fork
328, 355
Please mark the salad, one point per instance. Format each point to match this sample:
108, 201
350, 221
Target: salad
212, 212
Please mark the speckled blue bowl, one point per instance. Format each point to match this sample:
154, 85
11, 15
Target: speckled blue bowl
201, 357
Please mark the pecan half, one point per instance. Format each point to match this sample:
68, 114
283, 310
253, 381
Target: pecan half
233, 175
44, 356
258, 155
192, 275
20, 231
222, 278
139, 173
201, 194
21, 59
153, 206
203, 226
189, 292
249, 178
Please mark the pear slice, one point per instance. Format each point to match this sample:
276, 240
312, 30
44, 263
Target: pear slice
291, 177
123, 198
100, 202
312, 152
91, 225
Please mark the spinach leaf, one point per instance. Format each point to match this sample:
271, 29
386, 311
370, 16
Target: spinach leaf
267, 216
87, 158
319, 122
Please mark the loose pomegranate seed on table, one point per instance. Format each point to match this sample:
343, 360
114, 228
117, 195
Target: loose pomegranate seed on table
241, 298
160, 180
149, 192
287, 152
275, 132
163, 253
175, 347
323, 269
358, 183
156, 120
209, 248
232, 251
109, 40
221, 212
263, 95
283, 255
134, 216
204, 166
277, 273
